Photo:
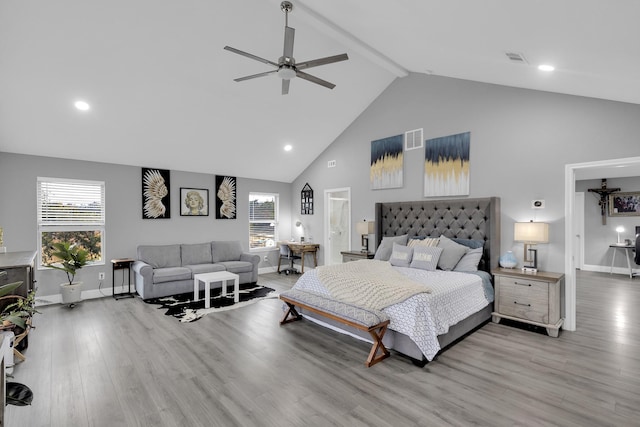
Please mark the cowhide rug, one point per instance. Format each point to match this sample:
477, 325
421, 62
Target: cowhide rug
184, 308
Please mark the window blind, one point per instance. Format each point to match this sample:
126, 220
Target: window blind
70, 202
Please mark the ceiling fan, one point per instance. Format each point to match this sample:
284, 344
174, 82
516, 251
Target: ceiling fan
286, 67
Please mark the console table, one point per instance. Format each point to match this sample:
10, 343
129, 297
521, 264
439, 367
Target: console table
302, 249
626, 249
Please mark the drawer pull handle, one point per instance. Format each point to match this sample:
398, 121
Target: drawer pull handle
519, 303
522, 284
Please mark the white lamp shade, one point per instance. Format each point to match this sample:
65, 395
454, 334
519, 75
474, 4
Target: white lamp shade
620, 229
531, 232
365, 227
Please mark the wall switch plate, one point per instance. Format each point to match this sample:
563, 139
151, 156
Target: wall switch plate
101, 275
537, 204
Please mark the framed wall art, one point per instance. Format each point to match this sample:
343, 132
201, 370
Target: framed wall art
306, 200
194, 202
446, 165
387, 163
624, 204
156, 202
225, 197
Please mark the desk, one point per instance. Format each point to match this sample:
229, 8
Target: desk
121, 264
626, 249
302, 249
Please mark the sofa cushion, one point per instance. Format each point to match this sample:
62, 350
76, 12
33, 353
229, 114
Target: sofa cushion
196, 254
237, 266
226, 250
170, 274
205, 268
160, 256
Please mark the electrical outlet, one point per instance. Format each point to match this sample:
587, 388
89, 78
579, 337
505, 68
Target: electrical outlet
101, 275
266, 258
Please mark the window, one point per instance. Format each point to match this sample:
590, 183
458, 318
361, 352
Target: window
71, 210
263, 220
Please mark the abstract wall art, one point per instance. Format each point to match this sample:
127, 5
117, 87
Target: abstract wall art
446, 165
387, 163
156, 202
225, 197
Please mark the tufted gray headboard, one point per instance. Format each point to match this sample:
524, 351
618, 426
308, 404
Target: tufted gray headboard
477, 219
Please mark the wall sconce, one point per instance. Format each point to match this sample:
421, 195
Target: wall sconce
619, 229
531, 233
365, 228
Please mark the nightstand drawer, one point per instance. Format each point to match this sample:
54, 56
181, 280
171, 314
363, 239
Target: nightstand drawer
526, 299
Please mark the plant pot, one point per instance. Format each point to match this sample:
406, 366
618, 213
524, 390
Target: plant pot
71, 293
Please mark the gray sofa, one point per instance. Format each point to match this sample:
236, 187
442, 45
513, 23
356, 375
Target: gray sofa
168, 269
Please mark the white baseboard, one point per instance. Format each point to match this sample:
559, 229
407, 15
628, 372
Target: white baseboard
85, 295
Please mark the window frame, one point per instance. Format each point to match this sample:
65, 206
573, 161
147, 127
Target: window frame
96, 224
276, 214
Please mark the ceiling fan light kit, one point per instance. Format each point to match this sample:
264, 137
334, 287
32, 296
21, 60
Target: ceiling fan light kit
286, 67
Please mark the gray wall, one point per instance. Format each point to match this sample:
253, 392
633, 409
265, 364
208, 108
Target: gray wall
598, 237
125, 228
520, 142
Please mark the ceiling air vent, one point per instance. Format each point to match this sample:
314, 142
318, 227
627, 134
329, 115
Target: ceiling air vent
516, 57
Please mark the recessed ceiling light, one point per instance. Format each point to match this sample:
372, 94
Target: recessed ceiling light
81, 105
288, 147
546, 67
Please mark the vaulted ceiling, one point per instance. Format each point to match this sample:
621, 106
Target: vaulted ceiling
161, 87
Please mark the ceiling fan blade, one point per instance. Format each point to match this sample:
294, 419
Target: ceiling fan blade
322, 61
315, 79
253, 76
289, 34
285, 86
248, 55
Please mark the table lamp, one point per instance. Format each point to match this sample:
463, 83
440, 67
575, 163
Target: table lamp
531, 233
619, 229
365, 228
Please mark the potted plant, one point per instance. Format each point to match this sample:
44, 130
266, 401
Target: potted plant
71, 258
16, 312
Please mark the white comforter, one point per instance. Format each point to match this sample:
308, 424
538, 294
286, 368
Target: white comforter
454, 296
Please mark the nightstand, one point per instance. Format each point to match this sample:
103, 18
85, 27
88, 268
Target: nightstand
534, 298
355, 255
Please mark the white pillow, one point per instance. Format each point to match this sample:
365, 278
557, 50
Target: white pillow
425, 257
470, 261
401, 255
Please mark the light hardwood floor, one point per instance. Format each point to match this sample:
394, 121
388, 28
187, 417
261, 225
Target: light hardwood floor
123, 363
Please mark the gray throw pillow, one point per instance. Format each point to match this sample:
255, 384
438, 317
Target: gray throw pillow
469, 261
383, 253
452, 252
425, 257
400, 255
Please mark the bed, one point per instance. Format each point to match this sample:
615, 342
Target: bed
462, 220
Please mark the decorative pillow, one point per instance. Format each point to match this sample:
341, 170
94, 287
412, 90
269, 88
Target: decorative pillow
470, 260
452, 252
427, 241
400, 255
425, 257
383, 253
471, 244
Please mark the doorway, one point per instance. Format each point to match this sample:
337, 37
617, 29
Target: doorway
615, 168
337, 215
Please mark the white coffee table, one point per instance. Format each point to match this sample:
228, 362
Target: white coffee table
216, 276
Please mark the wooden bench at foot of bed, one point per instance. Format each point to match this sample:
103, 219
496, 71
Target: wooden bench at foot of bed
373, 321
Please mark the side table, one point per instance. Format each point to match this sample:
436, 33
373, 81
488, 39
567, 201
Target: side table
121, 264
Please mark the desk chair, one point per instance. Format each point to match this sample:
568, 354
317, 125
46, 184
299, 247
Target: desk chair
287, 255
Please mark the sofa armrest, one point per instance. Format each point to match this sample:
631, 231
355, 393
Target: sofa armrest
144, 277
253, 259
